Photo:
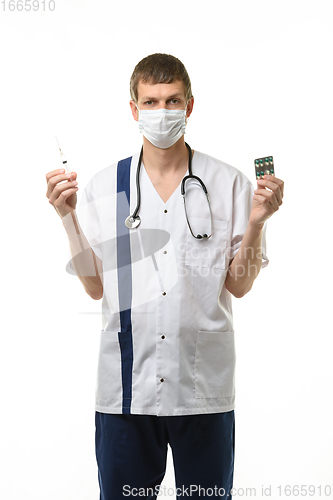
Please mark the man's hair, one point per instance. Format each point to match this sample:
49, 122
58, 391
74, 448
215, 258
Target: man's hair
159, 68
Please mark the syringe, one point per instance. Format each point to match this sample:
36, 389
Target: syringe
63, 157
65, 164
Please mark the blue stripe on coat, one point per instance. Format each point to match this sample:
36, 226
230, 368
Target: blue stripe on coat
124, 281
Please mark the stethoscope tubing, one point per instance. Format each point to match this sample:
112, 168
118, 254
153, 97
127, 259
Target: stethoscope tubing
134, 220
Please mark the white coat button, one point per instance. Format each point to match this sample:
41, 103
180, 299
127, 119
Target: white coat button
162, 379
165, 211
164, 293
163, 337
165, 251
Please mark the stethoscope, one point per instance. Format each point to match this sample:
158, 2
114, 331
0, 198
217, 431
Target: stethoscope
134, 220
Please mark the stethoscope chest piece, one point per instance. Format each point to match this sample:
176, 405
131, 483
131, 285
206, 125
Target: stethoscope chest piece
132, 222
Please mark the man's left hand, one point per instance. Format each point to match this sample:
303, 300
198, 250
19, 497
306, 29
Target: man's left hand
266, 201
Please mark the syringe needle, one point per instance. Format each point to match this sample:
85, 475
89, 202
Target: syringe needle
57, 142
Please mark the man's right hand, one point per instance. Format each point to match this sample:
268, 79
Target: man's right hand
62, 196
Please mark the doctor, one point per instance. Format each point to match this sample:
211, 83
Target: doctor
166, 370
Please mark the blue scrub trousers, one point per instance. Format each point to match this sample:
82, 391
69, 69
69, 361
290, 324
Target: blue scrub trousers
131, 453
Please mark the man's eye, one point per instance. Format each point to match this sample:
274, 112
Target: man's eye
174, 101
148, 102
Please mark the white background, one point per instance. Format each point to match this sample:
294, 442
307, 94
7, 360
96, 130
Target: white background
262, 80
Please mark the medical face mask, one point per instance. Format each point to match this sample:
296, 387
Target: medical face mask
162, 127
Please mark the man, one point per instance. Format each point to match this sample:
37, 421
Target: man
166, 259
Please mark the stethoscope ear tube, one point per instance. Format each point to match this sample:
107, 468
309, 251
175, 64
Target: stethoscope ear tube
138, 190
192, 177
132, 221
182, 188
189, 158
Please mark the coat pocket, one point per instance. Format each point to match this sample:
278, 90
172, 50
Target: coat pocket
209, 252
214, 366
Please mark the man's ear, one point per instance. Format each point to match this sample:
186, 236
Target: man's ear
189, 107
134, 110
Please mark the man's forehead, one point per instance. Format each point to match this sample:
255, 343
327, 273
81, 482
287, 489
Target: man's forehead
162, 90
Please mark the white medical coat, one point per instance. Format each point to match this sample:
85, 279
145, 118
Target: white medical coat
167, 344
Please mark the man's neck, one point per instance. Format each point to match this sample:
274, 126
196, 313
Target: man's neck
165, 162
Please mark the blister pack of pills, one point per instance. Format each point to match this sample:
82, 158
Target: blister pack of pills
264, 166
